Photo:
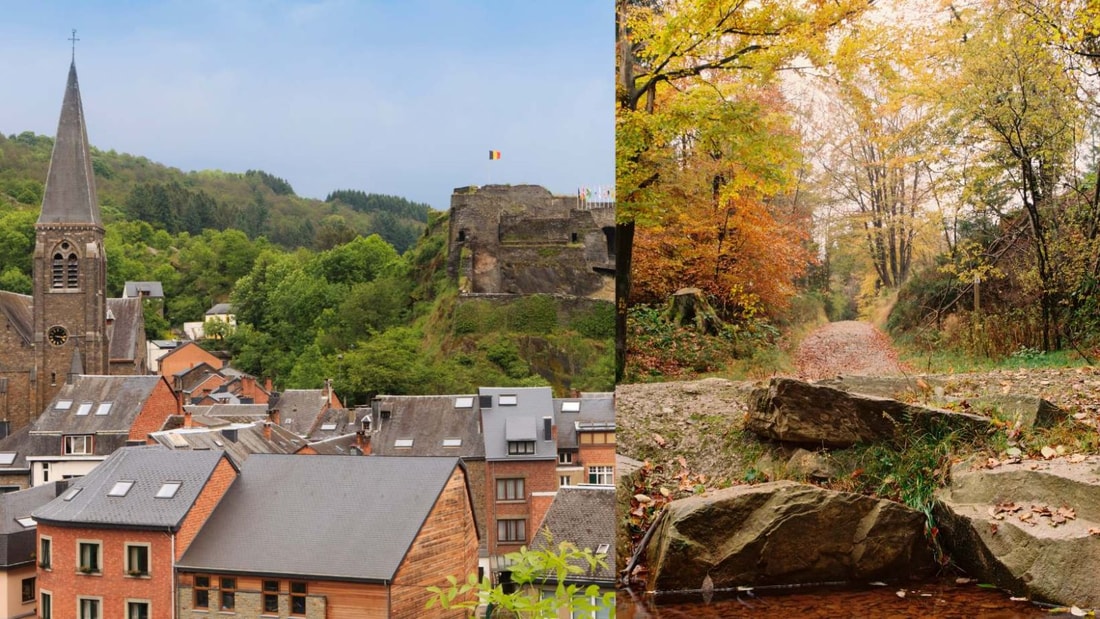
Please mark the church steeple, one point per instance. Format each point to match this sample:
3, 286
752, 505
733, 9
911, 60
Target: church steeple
70, 186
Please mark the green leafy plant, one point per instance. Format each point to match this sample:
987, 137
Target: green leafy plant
532, 572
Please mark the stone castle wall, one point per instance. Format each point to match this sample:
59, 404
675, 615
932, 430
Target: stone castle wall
521, 239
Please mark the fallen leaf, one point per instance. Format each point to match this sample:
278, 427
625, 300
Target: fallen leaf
1077, 612
901, 593
660, 440
1048, 452
963, 581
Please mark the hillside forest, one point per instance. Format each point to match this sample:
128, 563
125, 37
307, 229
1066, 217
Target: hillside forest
352, 288
930, 166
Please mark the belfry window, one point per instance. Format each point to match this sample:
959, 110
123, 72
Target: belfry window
65, 271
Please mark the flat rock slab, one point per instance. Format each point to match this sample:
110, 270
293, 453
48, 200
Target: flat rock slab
1027, 410
784, 533
996, 524
798, 412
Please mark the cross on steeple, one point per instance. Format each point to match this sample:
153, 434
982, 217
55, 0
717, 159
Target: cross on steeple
74, 40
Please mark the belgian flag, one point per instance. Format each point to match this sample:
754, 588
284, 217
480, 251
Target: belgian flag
494, 155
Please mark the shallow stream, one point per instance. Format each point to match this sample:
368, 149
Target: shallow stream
941, 599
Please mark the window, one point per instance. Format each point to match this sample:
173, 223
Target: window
78, 445
137, 610
512, 531
452, 442
88, 553
45, 555
28, 590
597, 438
168, 489
83, 409
63, 405
71, 279
297, 598
464, 402
45, 472
603, 475
137, 559
201, 591
564, 480
403, 442
229, 593
521, 447
510, 489
104, 408
57, 273
89, 608
271, 596
26, 522
572, 406
508, 400
7, 458
121, 488
45, 606
565, 457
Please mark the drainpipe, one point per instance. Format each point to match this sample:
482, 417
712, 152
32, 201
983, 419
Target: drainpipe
175, 594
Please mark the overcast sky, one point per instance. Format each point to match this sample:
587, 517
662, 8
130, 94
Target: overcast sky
402, 97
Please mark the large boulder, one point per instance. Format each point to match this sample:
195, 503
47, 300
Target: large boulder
784, 533
798, 412
1032, 527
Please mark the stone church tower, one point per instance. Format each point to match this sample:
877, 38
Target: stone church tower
70, 269
69, 326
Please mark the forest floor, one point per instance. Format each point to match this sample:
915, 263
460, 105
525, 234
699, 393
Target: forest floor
698, 423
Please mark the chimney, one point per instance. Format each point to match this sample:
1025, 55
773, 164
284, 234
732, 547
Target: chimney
547, 428
273, 416
327, 392
267, 430
267, 385
362, 441
187, 419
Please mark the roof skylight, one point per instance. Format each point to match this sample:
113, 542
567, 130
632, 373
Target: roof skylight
84, 409
452, 442
71, 494
169, 489
464, 402
328, 426
602, 549
7, 458
403, 442
508, 400
103, 408
63, 405
121, 488
571, 407
26, 522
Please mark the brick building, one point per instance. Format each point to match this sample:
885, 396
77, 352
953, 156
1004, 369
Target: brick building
586, 439
18, 591
68, 326
521, 458
107, 545
331, 537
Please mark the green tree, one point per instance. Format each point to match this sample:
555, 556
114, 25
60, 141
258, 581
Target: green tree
534, 572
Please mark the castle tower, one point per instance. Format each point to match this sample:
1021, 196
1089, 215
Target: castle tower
70, 268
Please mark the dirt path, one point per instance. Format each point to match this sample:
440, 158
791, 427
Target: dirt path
846, 347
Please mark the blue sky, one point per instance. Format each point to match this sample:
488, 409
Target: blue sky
395, 97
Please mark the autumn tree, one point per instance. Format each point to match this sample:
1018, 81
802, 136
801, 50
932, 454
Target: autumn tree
677, 46
1015, 96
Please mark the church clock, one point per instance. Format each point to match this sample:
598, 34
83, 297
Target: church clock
57, 335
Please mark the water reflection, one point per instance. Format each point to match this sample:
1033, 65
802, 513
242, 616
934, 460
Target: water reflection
938, 599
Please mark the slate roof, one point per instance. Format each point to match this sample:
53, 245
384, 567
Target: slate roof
20, 444
135, 290
594, 407
129, 323
300, 409
17, 543
219, 309
333, 517
125, 394
249, 440
525, 418
17, 309
70, 184
585, 516
336, 422
428, 421
149, 467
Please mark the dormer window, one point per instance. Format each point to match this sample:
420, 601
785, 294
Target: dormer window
519, 448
